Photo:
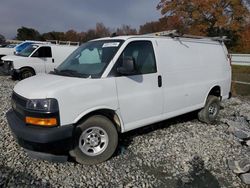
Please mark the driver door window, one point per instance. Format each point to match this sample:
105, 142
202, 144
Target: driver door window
43, 52
143, 54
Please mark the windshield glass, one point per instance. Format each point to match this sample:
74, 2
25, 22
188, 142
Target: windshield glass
90, 59
28, 50
22, 46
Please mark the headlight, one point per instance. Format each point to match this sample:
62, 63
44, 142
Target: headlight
45, 105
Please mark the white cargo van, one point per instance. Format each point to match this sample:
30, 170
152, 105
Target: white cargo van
114, 85
15, 49
6, 51
36, 58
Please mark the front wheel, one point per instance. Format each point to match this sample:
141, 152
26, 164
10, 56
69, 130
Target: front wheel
211, 110
26, 73
95, 140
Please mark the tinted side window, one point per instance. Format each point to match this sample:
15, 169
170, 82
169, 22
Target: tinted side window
43, 52
143, 54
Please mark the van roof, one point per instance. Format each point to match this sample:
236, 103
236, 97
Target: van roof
50, 44
159, 37
170, 34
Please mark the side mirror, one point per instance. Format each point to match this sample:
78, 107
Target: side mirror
128, 66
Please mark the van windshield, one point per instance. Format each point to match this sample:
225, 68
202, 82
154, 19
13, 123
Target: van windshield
22, 46
28, 50
90, 59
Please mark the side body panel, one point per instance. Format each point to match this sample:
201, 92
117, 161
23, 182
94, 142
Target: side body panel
191, 69
36, 63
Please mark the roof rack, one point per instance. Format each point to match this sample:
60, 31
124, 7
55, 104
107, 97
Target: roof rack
59, 42
175, 34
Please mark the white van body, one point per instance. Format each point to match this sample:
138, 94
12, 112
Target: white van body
38, 63
187, 71
4, 51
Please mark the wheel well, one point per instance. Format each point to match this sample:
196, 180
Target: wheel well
28, 68
110, 114
216, 91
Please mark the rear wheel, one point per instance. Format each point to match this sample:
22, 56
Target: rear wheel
211, 110
95, 140
26, 72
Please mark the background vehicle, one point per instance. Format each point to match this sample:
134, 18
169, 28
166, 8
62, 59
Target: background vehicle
36, 58
15, 49
6, 51
114, 85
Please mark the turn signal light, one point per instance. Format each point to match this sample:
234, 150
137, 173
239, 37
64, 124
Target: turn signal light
48, 122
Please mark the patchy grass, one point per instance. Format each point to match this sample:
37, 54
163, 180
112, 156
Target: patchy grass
241, 73
240, 69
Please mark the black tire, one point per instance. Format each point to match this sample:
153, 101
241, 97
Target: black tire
14, 77
211, 110
84, 145
26, 73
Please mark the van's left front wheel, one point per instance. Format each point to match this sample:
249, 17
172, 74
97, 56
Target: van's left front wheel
95, 140
26, 73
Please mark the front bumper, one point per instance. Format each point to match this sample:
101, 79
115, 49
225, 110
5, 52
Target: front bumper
15, 74
49, 141
7, 67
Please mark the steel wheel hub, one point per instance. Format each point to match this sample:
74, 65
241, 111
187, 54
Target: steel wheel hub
212, 110
93, 141
27, 74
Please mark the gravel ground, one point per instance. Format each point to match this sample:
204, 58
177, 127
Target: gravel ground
181, 152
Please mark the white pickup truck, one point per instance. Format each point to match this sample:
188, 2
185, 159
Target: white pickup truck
36, 58
114, 85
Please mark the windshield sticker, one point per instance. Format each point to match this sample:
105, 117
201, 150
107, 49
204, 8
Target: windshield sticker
111, 44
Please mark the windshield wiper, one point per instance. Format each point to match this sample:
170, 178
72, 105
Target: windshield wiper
68, 72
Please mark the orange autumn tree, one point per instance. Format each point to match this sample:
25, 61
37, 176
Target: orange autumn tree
206, 17
244, 41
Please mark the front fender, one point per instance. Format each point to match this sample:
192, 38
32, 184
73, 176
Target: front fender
91, 110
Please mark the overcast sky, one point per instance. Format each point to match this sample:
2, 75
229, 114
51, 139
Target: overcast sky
80, 15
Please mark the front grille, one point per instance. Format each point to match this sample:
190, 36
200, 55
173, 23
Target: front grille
7, 66
18, 105
19, 99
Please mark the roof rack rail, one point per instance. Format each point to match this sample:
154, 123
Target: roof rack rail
176, 33
59, 42
163, 33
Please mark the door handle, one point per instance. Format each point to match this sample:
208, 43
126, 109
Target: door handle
159, 81
53, 60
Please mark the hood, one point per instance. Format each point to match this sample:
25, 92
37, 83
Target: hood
47, 85
12, 57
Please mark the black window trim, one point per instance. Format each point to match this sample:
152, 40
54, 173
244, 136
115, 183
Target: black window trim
39, 49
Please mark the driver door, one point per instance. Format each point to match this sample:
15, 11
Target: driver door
42, 59
140, 95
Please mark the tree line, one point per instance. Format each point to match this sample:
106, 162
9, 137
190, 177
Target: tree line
229, 18
100, 30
